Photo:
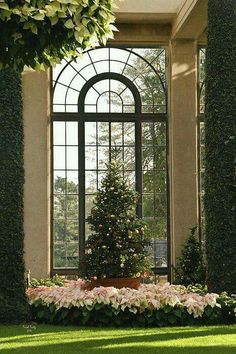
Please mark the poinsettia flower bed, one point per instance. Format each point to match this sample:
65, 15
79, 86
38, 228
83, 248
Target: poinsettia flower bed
153, 305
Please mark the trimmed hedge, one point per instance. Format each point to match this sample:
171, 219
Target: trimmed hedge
220, 123
13, 303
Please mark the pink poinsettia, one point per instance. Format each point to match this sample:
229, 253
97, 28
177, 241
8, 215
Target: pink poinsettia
150, 296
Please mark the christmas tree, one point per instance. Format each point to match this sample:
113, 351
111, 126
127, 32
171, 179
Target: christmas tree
117, 246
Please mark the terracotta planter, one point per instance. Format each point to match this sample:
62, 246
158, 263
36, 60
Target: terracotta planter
132, 283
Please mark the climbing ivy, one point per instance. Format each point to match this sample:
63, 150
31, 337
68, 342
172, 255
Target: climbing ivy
220, 123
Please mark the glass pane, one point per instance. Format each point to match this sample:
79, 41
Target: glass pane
72, 182
148, 181
129, 133
59, 157
127, 97
159, 158
59, 206
129, 158
103, 103
101, 176
130, 177
116, 103
148, 205
90, 182
116, 133
160, 206
88, 204
90, 108
148, 158
90, 133
59, 182
90, 158
103, 133
91, 97
72, 255
72, 133
59, 255
59, 228
72, 231
59, 133
160, 182
103, 157
72, 157
72, 206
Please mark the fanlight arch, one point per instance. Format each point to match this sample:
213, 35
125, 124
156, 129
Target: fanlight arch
146, 70
110, 93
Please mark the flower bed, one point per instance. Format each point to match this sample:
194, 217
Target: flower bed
150, 305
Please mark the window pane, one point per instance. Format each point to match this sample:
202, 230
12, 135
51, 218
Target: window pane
59, 133
72, 158
90, 133
90, 182
72, 182
59, 182
116, 133
129, 133
59, 157
72, 133
90, 158
103, 133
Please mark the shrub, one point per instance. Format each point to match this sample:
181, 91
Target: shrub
191, 267
56, 280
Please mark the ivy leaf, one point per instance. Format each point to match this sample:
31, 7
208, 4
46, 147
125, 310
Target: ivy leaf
39, 16
69, 24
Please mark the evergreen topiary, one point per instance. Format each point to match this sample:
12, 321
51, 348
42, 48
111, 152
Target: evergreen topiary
220, 127
117, 246
191, 268
13, 303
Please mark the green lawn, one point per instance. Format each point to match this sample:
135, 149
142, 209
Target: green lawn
67, 340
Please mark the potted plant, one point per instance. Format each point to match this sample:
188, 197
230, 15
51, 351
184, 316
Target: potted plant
116, 251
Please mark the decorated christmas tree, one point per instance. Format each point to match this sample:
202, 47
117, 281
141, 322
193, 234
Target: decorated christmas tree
117, 246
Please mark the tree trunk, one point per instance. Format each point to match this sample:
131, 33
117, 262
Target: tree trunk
13, 303
220, 123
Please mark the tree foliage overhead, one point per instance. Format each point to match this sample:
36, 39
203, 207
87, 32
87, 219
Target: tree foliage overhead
117, 246
220, 123
38, 33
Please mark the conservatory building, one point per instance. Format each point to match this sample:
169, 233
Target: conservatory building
140, 98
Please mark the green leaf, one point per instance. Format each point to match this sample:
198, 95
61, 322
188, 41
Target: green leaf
4, 6
69, 24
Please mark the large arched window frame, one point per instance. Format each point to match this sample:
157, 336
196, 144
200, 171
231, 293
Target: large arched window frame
137, 114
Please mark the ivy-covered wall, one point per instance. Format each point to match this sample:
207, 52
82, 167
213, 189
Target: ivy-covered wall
220, 122
13, 305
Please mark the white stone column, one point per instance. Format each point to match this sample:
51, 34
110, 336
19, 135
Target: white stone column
183, 141
37, 172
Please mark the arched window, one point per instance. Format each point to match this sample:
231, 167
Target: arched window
110, 101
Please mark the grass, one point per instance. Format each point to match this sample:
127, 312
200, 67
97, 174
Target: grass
45, 339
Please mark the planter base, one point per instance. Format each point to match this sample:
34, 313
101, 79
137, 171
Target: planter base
132, 283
